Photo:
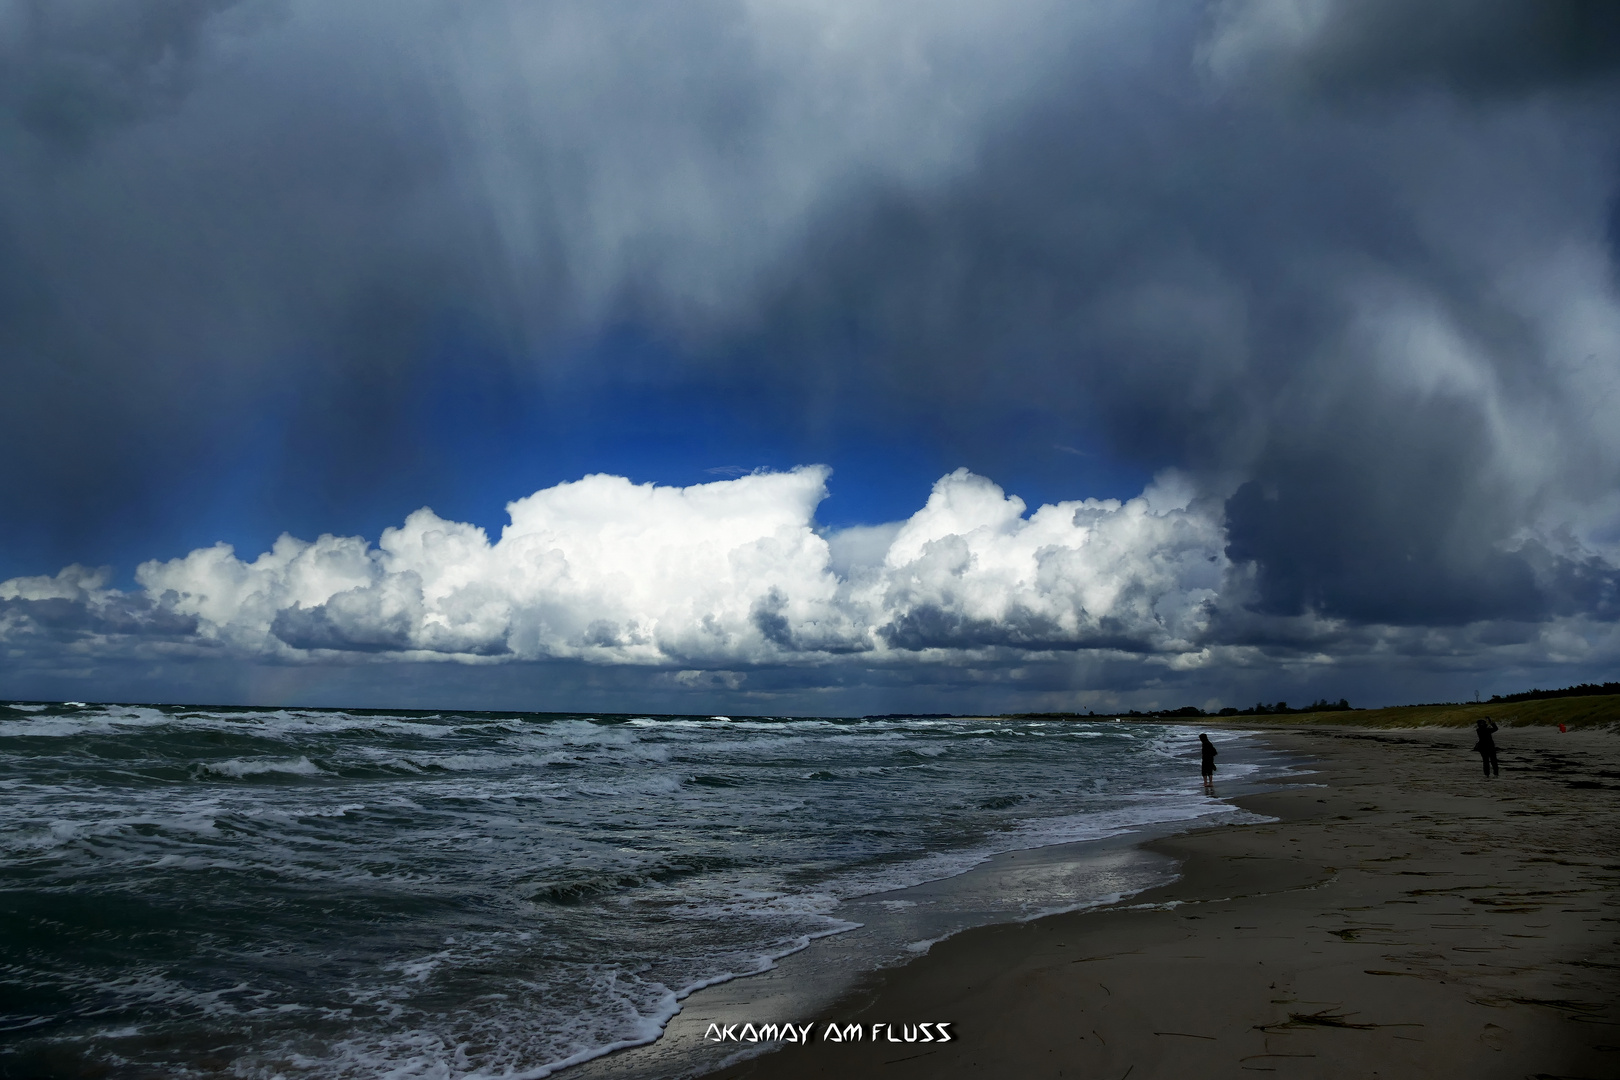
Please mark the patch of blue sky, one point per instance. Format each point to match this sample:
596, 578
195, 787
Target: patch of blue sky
468, 428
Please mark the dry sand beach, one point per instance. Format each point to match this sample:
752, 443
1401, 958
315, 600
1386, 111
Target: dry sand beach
1402, 917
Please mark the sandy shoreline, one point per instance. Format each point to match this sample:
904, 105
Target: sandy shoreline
1406, 918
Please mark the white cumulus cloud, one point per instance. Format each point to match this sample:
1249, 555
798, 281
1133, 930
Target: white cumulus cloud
714, 576
969, 569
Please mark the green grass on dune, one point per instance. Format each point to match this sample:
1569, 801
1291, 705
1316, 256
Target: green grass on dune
1574, 712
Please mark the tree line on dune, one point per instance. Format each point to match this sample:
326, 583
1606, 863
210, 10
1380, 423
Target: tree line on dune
1581, 690
1322, 705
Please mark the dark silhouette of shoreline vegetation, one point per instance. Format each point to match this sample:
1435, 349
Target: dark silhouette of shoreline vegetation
1582, 690
1584, 705
1190, 712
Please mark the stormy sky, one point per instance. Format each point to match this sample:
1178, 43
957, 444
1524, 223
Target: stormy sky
811, 357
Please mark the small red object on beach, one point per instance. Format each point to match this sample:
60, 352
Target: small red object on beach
1562, 729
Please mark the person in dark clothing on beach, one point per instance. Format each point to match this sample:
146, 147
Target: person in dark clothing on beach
1487, 746
1208, 749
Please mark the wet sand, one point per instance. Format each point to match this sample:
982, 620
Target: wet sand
1403, 917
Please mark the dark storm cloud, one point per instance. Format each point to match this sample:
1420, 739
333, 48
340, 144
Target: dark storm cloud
1329, 315
207, 211
74, 71
1373, 540
1385, 336
1478, 47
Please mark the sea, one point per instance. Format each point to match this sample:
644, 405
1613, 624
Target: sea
205, 892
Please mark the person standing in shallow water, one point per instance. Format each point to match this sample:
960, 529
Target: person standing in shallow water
1487, 746
1208, 749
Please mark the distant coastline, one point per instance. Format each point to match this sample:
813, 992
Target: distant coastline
1585, 705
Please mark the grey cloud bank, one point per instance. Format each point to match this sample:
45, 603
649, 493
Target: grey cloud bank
1349, 268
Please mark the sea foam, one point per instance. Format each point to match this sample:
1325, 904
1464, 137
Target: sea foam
460, 895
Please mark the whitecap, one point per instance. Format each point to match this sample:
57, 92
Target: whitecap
240, 768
